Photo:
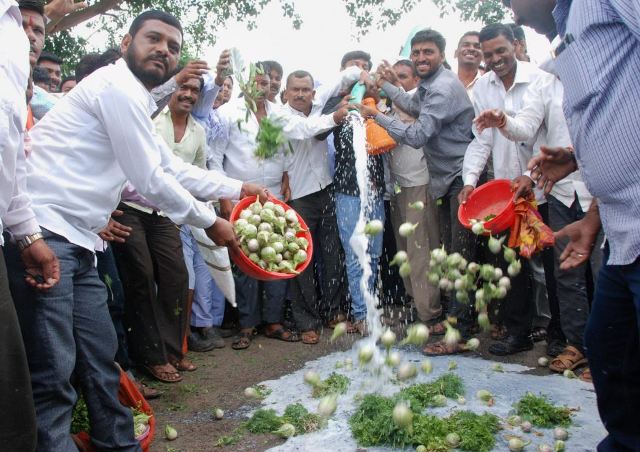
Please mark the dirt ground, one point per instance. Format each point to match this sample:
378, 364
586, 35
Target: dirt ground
220, 381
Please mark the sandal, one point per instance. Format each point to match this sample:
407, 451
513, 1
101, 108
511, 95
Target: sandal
281, 334
586, 376
183, 365
310, 337
498, 332
147, 391
437, 329
539, 334
569, 359
242, 341
161, 372
442, 349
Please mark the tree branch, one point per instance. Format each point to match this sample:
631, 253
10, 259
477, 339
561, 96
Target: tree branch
83, 15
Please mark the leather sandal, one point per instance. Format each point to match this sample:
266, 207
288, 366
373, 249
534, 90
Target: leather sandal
310, 337
569, 359
166, 375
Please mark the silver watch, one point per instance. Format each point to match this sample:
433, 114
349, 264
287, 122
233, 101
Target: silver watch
28, 240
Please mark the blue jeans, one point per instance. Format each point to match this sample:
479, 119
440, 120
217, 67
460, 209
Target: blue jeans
347, 213
67, 331
208, 300
612, 343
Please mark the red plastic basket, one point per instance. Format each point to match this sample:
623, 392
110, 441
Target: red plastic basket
248, 267
493, 198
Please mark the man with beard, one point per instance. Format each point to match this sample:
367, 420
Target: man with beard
99, 136
469, 55
442, 129
504, 86
603, 126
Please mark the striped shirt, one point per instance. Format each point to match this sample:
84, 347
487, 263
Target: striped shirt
599, 67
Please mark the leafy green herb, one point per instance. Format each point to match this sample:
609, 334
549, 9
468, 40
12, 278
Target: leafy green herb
372, 424
298, 416
270, 139
421, 395
262, 391
264, 421
477, 432
80, 417
541, 412
230, 440
334, 384
489, 217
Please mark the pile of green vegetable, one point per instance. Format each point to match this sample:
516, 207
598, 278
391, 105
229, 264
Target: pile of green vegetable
295, 415
268, 237
541, 412
334, 384
424, 395
80, 419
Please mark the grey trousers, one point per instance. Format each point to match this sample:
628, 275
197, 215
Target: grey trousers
418, 246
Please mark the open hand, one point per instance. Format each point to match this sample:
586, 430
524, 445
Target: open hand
582, 236
386, 73
57, 9
490, 118
193, 69
551, 166
41, 265
223, 67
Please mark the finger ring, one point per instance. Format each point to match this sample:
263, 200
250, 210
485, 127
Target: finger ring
580, 254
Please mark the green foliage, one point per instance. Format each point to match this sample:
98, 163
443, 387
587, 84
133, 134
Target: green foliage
421, 395
80, 417
477, 432
334, 384
298, 416
229, 440
264, 421
485, 11
68, 47
268, 421
270, 139
541, 412
372, 423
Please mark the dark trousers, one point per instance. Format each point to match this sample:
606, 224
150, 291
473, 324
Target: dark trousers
155, 281
393, 291
554, 328
319, 212
456, 238
18, 424
572, 285
67, 331
253, 307
108, 273
612, 343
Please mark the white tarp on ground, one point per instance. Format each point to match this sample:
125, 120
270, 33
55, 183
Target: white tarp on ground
507, 387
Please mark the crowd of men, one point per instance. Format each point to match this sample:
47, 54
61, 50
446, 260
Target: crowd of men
118, 180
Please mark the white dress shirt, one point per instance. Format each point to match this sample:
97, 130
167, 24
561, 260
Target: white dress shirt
95, 139
15, 205
541, 116
308, 166
509, 159
233, 150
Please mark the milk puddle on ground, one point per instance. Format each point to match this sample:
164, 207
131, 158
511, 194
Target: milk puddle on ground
507, 388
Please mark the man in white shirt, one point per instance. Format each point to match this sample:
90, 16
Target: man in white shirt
312, 197
409, 171
469, 56
17, 428
568, 202
503, 87
233, 152
84, 150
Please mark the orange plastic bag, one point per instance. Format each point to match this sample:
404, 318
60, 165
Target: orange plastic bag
528, 232
131, 397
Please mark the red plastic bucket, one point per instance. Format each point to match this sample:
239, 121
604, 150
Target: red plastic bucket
493, 198
247, 266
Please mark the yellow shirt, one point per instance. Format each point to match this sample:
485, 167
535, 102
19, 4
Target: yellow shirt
193, 146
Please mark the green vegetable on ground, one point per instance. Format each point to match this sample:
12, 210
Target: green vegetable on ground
268, 421
334, 384
424, 394
541, 412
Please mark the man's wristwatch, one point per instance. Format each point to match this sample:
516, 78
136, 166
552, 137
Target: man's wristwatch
28, 240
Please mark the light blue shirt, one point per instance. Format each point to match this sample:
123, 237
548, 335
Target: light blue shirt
599, 68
